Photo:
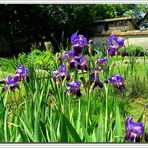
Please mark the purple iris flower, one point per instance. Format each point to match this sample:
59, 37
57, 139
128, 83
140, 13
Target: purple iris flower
95, 80
72, 64
115, 43
78, 42
74, 88
67, 55
103, 60
55, 74
79, 63
11, 82
78, 39
100, 63
134, 130
4, 88
117, 80
112, 50
111, 39
77, 49
60, 74
82, 63
114, 40
22, 72
120, 41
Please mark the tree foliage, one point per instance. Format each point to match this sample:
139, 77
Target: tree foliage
38, 22
140, 13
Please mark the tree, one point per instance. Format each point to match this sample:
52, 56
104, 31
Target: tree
39, 22
140, 13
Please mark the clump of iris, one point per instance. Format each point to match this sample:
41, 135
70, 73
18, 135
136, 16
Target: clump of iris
74, 57
12, 82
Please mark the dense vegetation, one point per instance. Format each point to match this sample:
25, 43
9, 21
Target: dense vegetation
74, 97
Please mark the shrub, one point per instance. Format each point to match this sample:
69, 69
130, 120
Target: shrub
133, 50
40, 59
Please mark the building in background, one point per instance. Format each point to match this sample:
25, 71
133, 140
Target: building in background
125, 26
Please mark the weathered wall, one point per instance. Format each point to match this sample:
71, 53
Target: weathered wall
137, 40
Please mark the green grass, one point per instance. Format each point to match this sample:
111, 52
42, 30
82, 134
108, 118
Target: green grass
3, 74
136, 107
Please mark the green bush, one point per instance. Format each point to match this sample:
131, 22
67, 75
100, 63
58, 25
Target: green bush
133, 50
40, 59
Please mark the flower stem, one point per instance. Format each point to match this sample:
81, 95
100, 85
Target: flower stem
106, 106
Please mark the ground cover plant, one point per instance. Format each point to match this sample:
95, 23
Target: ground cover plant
73, 97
